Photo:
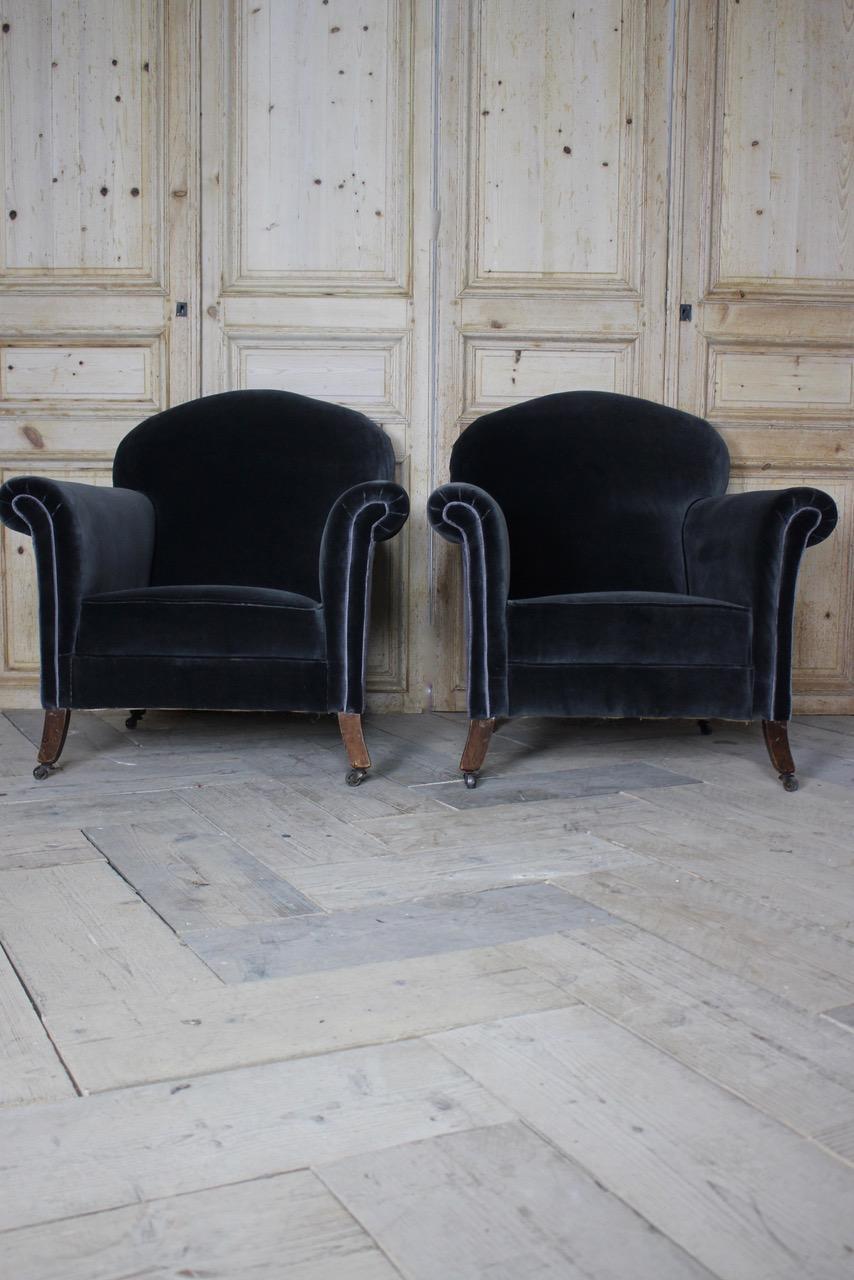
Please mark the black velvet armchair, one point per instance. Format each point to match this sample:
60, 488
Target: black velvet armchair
229, 566
608, 574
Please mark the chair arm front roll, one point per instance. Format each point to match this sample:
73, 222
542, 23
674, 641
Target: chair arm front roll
468, 515
87, 539
746, 548
363, 516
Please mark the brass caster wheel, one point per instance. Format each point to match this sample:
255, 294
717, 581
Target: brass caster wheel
134, 719
470, 780
356, 777
789, 781
42, 771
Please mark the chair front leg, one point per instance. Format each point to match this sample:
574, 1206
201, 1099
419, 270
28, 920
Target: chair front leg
54, 734
776, 734
354, 744
474, 752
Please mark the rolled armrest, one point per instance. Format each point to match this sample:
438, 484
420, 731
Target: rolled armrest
363, 516
87, 539
747, 548
468, 515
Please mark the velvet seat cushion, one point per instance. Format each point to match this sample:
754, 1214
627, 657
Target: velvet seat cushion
201, 621
635, 628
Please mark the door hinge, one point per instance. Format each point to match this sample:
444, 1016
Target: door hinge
181, 309
684, 310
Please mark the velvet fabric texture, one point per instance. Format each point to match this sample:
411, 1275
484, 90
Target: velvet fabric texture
607, 573
228, 567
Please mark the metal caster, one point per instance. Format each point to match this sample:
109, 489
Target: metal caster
470, 780
789, 781
704, 727
134, 719
356, 777
42, 771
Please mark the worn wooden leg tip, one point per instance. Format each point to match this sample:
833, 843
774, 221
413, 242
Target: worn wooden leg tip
705, 727
776, 734
54, 734
474, 753
350, 725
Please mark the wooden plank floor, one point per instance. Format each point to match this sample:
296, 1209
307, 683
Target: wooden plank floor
593, 1020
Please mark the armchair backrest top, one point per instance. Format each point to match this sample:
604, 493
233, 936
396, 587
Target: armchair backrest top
594, 487
242, 484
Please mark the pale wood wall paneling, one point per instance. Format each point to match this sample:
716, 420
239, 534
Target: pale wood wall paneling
98, 242
763, 249
428, 213
553, 245
308, 268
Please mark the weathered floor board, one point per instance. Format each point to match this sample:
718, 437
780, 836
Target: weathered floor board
214, 1029
782, 1060
116, 1149
591, 1021
30, 1070
738, 1191
465, 1203
284, 1225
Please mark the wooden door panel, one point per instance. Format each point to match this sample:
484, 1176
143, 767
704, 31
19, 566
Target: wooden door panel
97, 246
308, 137
552, 250
764, 253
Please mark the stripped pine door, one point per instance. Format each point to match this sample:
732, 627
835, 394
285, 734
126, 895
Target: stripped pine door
553, 143
97, 247
763, 252
428, 209
314, 261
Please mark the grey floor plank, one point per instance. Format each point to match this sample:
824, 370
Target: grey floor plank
194, 876
449, 922
500, 1202
346, 885
115, 1149
279, 825
563, 784
736, 1190
287, 1225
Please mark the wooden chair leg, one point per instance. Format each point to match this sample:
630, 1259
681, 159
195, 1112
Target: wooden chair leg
474, 752
776, 734
354, 744
54, 734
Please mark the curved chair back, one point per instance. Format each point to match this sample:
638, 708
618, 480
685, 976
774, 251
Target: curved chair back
594, 488
242, 484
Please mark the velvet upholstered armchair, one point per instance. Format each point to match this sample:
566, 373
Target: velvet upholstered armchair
229, 566
608, 574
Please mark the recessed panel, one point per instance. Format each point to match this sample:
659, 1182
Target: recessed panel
800, 383
366, 373
787, 143
501, 373
81, 137
35, 374
322, 121
553, 119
